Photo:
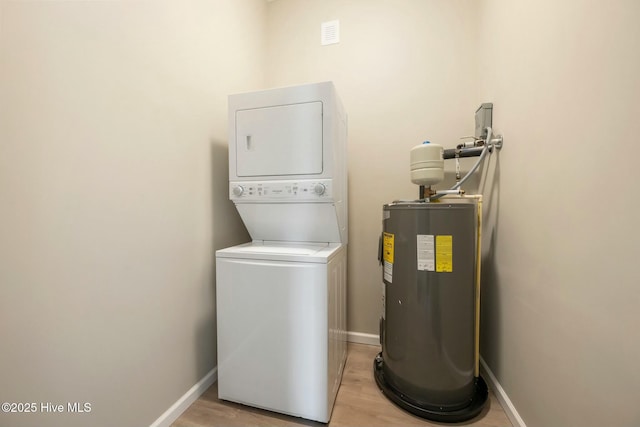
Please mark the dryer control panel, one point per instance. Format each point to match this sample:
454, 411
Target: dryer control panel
283, 191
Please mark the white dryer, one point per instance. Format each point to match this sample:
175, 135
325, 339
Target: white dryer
281, 299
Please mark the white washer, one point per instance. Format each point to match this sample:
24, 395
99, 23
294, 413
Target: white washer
283, 343
281, 300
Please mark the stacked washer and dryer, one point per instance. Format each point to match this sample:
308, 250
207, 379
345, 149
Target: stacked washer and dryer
281, 299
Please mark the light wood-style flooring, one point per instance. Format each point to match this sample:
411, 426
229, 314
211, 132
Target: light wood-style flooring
359, 403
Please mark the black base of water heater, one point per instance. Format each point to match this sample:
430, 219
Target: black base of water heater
473, 409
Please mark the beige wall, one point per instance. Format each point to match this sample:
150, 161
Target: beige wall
405, 71
560, 304
113, 197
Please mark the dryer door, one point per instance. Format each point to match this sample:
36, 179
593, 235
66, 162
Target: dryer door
279, 140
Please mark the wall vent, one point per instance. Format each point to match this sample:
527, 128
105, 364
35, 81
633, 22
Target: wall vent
330, 32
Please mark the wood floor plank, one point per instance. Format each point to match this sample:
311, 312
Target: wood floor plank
359, 403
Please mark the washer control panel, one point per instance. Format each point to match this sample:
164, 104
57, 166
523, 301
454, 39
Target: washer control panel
308, 190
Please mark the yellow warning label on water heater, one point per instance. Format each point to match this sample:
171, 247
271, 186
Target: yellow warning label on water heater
444, 254
387, 247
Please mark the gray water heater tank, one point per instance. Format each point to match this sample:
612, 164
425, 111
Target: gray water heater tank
427, 331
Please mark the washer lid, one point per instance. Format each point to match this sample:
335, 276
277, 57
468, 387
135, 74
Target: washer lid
282, 251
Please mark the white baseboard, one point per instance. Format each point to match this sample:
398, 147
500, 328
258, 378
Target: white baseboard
361, 338
181, 405
504, 400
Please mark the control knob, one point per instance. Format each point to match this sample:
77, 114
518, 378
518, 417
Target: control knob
319, 189
238, 190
